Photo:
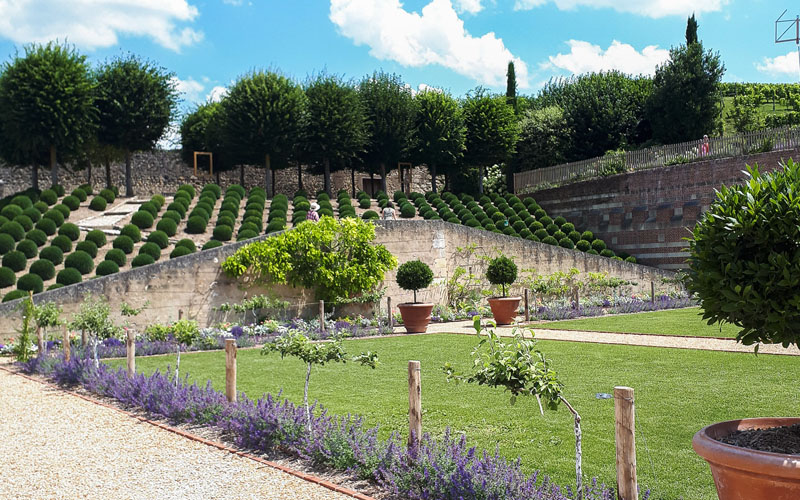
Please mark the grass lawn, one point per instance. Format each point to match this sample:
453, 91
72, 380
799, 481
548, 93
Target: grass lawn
685, 322
677, 393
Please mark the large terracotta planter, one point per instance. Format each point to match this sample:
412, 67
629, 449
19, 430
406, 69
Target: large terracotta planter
745, 474
504, 309
416, 316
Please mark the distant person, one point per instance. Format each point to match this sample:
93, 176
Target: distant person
312, 214
388, 212
705, 146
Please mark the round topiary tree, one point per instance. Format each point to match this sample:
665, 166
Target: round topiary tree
29, 248
48, 196
37, 236
142, 259
159, 238
33, 214
97, 237
88, 247
43, 268
98, 204
180, 251
80, 194
7, 277
68, 276
13, 229
7, 243
107, 267
123, 243
167, 226
55, 216
30, 283
81, 261
108, 195
15, 260
407, 211
53, 254
151, 249
14, 295
131, 232
72, 202
142, 219
70, 230
62, 242
47, 226
501, 271
223, 233
24, 221
116, 256
196, 225
212, 244
414, 275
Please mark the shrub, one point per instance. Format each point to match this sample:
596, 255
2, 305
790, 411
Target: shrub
87, 188
196, 225
35, 235
88, 247
98, 204
53, 254
545, 220
30, 283
559, 235
370, 215
123, 243
55, 286
11, 211
116, 256
7, 277
13, 229
191, 191
575, 236
142, 259
533, 237
107, 267
108, 195
178, 208
407, 211
501, 271
48, 196
509, 231
246, 235
80, 260
550, 240
224, 220
583, 245
200, 212
249, 225
541, 234
65, 211
7, 243
223, 233
15, 260
55, 216
62, 242
24, 221
598, 245
519, 226
568, 227
131, 232
80, 194
14, 295
631, 259
212, 244
559, 221
29, 248
142, 219
364, 203
47, 226
552, 229
414, 275
172, 215
43, 268
213, 188
97, 237
70, 230
607, 253
187, 243
68, 276
149, 207
151, 249
159, 238
180, 252
33, 214
566, 243
592, 252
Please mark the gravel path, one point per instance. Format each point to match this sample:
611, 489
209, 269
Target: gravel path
649, 340
55, 445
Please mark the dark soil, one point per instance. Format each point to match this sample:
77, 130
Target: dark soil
776, 440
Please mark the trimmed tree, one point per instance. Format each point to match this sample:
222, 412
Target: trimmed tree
491, 131
202, 130
263, 112
46, 105
440, 131
136, 100
543, 139
511, 86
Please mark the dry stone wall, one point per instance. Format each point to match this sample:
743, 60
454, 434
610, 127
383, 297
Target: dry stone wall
196, 285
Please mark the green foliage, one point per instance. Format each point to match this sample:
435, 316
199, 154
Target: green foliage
28, 248
7, 243
440, 132
53, 254
223, 233
744, 262
94, 317
70, 230
30, 283
116, 256
407, 211
123, 243
501, 271
48, 196
14, 295
212, 244
13, 229
98, 204
167, 226
543, 139
24, 344
491, 130
44, 269
47, 315
334, 258
97, 237
186, 243
132, 232
142, 259
88, 247
180, 251
55, 215
15, 260
159, 238
80, 194
370, 215
414, 275
7, 277
68, 276
46, 225
744, 114
150, 249
108, 195
63, 242
33, 214
142, 219
81, 261
196, 225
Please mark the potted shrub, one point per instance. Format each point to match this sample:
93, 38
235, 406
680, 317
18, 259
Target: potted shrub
415, 275
753, 226
502, 271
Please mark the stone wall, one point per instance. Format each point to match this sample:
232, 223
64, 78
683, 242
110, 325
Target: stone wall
647, 214
196, 285
163, 171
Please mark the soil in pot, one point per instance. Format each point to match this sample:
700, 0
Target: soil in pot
784, 439
416, 316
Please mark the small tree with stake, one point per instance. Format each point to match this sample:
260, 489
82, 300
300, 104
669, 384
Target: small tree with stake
414, 275
315, 353
186, 332
502, 271
522, 370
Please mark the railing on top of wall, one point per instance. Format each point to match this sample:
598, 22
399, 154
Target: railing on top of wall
658, 156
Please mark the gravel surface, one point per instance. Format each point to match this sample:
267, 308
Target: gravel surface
55, 445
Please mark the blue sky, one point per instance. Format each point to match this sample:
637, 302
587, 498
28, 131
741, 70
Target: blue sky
451, 44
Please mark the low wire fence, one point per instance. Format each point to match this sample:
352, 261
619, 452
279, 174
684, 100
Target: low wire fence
658, 156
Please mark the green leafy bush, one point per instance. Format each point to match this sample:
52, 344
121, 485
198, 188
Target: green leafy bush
80, 260
80, 194
414, 275
62, 242
53, 254
142, 259
142, 219
43, 268
196, 225
14, 295
131, 232
150, 249
117, 256
87, 188
98, 204
54, 215
246, 235
97, 237
7, 277
30, 283
212, 244
566, 243
223, 233
11, 211
68, 276
15, 260
88, 247
501, 271
7, 243
370, 215
47, 226
607, 253
108, 195
48, 196
32, 213
407, 211
107, 267
631, 259
13, 229
29, 248
187, 243
583, 245
179, 252
70, 230
177, 208
159, 238
35, 235
24, 221
550, 240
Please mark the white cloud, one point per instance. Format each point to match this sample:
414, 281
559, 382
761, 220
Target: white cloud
786, 64
235, 3
217, 93
585, 57
434, 36
649, 8
470, 6
190, 89
96, 23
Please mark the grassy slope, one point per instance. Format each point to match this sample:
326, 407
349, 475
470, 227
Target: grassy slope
686, 322
764, 110
677, 393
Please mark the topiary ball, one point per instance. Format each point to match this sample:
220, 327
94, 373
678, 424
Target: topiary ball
13, 229
108, 195
607, 253
80, 194
123, 243
116, 256
81, 261
167, 226
53, 254
70, 230
407, 211
11, 211
30, 283
68, 276
14, 295
88, 247
72, 202
29, 248
132, 232
142, 259
7, 243
180, 252
98, 204
7, 277
501, 271
43, 268
47, 226
55, 216
37, 236
151, 249
583, 245
223, 233
598, 245
97, 237
22, 201
414, 275
149, 207
142, 219
15, 260
107, 267
62, 242
212, 244
186, 242
196, 225
246, 235
370, 215
48, 196
24, 221
159, 238
566, 243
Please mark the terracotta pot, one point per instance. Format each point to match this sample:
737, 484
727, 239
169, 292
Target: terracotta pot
745, 474
504, 309
416, 316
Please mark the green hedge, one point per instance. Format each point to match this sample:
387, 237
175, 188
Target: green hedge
107, 267
53, 254
117, 256
81, 261
70, 230
132, 232
68, 276
43, 268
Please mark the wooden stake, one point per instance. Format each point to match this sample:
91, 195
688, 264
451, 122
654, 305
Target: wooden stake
652, 292
40, 340
230, 369
130, 349
625, 418
414, 404
84, 338
65, 343
180, 314
322, 315
389, 308
527, 310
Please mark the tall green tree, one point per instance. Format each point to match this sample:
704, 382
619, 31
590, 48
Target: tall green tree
511, 86
440, 131
263, 120
334, 126
202, 130
389, 106
46, 107
685, 102
543, 139
691, 31
491, 131
136, 100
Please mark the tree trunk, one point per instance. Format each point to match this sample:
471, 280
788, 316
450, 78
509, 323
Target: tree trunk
383, 177
402, 180
446, 181
326, 164
353, 179
578, 450
241, 175
53, 166
273, 182
128, 180
305, 396
217, 174
480, 179
299, 176
35, 177
433, 177
88, 171
108, 174
267, 177
509, 177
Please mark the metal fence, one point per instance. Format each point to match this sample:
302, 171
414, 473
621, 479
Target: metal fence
658, 156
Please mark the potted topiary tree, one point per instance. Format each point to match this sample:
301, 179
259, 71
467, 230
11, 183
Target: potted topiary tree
502, 271
415, 275
743, 267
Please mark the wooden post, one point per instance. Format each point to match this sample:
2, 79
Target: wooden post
527, 310
65, 344
414, 404
652, 292
625, 418
230, 370
389, 309
130, 349
40, 340
180, 314
575, 298
84, 338
322, 315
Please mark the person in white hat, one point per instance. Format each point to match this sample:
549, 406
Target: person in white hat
312, 214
